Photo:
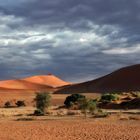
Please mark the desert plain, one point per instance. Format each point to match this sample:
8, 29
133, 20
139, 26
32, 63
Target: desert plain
16, 123
60, 123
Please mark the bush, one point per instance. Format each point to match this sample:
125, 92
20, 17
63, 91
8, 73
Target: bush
109, 97
7, 104
87, 105
42, 101
72, 99
20, 103
38, 112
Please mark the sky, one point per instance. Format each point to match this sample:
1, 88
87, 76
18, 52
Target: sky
77, 40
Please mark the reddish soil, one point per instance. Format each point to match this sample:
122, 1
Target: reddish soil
70, 130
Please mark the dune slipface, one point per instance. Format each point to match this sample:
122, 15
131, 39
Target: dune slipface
122, 80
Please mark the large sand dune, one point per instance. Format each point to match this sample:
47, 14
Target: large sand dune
122, 80
20, 84
49, 80
31, 84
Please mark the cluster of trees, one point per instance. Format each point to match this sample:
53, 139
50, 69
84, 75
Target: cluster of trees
90, 105
43, 100
84, 104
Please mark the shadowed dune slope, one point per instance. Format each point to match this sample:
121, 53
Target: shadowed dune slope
122, 80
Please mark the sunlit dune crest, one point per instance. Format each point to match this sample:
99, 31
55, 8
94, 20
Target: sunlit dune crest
33, 83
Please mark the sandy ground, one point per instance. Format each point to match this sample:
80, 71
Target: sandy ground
15, 124
70, 130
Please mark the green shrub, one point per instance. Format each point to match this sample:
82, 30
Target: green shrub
42, 101
20, 103
109, 97
7, 104
72, 99
87, 105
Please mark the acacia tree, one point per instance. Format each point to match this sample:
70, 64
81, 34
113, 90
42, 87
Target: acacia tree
42, 102
73, 99
87, 105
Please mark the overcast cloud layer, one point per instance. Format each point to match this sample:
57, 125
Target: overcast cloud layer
77, 40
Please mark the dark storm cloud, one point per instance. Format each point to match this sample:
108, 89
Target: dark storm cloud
75, 39
113, 12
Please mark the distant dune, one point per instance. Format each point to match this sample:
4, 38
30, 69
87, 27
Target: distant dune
122, 80
20, 84
49, 80
34, 83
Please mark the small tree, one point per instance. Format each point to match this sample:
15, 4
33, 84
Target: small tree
7, 104
87, 105
72, 99
42, 102
20, 103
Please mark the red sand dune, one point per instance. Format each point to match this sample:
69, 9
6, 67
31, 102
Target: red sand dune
34, 83
122, 80
20, 84
49, 80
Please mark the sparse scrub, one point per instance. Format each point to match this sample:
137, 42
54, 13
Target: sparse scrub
42, 102
20, 103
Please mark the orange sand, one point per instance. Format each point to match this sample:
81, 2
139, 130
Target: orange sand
70, 130
49, 80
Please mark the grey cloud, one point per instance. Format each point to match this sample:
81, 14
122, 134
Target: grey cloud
75, 39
